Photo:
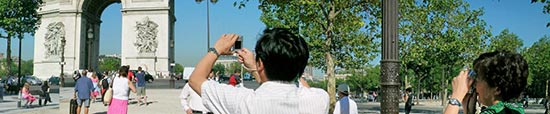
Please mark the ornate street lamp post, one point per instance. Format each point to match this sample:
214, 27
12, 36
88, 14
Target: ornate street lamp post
62, 63
390, 81
172, 81
90, 43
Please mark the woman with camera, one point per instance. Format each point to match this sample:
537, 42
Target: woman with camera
499, 79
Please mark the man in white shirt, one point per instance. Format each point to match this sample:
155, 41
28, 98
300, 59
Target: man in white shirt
191, 101
345, 105
281, 58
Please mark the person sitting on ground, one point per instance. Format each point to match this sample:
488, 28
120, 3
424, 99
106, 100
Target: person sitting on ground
281, 58
500, 78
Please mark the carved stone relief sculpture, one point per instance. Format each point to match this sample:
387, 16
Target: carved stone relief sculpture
146, 40
52, 40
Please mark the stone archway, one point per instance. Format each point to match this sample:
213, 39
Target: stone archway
68, 36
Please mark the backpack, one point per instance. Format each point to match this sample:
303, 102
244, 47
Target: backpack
105, 83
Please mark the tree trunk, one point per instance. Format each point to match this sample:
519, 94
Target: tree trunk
8, 55
417, 90
442, 92
331, 81
444, 84
19, 61
331, 87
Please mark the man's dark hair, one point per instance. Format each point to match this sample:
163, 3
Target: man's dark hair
408, 89
503, 69
237, 71
284, 55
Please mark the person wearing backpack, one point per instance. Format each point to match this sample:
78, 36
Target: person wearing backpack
104, 84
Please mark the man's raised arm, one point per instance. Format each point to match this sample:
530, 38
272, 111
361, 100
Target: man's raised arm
202, 69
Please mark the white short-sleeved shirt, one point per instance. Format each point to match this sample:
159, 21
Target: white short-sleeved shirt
191, 100
269, 98
352, 107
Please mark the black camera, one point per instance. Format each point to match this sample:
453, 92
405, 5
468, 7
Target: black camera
238, 44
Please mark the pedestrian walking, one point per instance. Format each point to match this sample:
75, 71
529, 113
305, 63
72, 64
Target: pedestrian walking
82, 92
121, 87
345, 105
141, 93
46, 92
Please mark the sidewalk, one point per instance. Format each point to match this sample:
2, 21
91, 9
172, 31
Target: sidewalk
161, 101
9, 106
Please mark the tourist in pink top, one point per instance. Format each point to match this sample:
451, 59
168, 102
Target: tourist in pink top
95, 82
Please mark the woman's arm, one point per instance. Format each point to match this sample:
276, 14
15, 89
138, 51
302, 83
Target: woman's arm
461, 85
132, 87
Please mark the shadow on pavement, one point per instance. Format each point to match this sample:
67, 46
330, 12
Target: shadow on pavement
6, 101
104, 112
402, 109
32, 108
152, 102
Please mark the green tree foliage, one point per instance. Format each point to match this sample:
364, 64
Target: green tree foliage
505, 41
219, 68
178, 68
364, 81
17, 17
109, 64
538, 58
439, 33
26, 67
233, 67
545, 9
340, 34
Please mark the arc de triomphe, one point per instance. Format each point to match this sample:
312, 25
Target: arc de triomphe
68, 36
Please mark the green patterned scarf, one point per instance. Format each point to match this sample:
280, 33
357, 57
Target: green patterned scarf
504, 108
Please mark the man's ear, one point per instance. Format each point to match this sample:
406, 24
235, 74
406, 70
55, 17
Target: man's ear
260, 65
497, 91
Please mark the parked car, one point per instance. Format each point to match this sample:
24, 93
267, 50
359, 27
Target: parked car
54, 80
33, 80
224, 78
11, 84
179, 76
148, 77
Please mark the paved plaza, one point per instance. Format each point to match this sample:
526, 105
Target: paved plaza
165, 100
9, 106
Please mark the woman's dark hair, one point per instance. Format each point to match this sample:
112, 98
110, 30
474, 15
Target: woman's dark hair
284, 55
408, 89
503, 69
123, 71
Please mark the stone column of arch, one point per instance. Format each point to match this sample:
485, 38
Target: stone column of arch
81, 52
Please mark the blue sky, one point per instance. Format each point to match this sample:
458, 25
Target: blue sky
521, 17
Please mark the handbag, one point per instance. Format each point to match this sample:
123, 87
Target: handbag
109, 94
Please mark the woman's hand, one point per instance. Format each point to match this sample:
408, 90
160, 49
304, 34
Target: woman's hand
461, 85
